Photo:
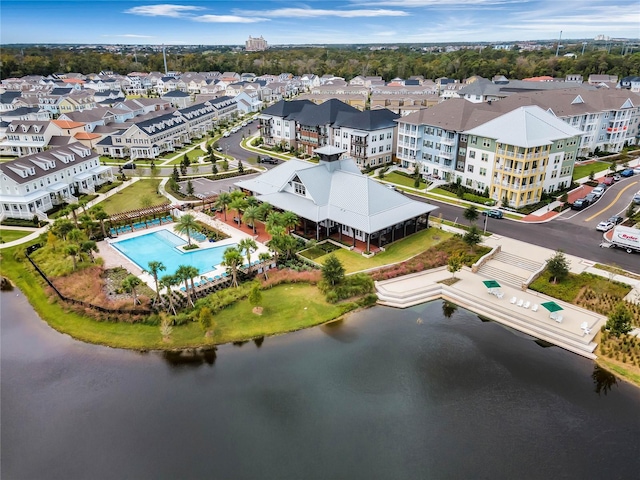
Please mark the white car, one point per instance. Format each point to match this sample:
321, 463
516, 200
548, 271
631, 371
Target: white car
605, 226
636, 170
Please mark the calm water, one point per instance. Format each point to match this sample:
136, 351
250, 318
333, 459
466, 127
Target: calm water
161, 246
386, 394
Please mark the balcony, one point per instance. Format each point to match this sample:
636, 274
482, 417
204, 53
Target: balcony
616, 129
448, 141
447, 155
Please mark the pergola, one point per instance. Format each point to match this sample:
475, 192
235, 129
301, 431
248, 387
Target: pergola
141, 212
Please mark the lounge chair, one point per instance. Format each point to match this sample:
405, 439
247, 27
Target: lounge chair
559, 319
526, 304
514, 300
499, 294
210, 279
534, 308
520, 302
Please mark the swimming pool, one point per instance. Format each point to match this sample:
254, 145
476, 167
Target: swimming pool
162, 246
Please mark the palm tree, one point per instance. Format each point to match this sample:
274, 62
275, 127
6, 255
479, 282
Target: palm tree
238, 204
72, 208
289, 220
223, 201
75, 236
231, 259
154, 269
471, 214
186, 225
265, 209
61, 227
182, 273
251, 216
252, 201
87, 224
247, 245
100, 215
192, 272
72, 251
88, 247
169, 281
129, 284
274, 224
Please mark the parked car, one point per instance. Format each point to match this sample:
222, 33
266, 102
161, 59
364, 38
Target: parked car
598, 191
616, 177
636, 170
608, 181
493, 213
219, 148
636, 198
130, 165
628, 172
226, 134
605, 226
244, 124
591, 198
580, 204
616, 219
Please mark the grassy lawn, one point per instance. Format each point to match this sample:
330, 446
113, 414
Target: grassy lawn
582, 171
396, 252
129, 197
11, 235
286, 308
569, 289
193, 156
398, 179
443, 192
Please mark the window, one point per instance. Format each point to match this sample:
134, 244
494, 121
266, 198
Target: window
374, 138
483, 172
474, 140
388, 135
484, 157
472, 154
463, 139
486, 142
470, 168
380, 149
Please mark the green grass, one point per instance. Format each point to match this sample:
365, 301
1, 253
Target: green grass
129, 197
193, 156
443, 192
398, 179
11, 235
582, 171
568, 289
286, 308
396, 252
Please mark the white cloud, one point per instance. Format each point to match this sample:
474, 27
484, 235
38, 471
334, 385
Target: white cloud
316, 12
163, 10
436, 3
388, 33
228, 19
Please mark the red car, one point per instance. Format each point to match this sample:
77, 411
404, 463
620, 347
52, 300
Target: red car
608, 181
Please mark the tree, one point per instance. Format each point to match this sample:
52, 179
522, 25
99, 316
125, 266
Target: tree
289, 220
169, 281
88, 247
72, 251
100, 215
471, 214
251, 216
238, 204
154, 268
454, 264
416, 175
61, 227
130, 283
182, 273
240, 167
472, 237
175, 175
225, 164
558, 266
86, 222
231, 258
214, 169
186, 225
223, 201
190, 189
76, 236
165, 326
146, 201
72, 207
619, 321
264, 257
205, 318
247, 245
255, 296
332, 270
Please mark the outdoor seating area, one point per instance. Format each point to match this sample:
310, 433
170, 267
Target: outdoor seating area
493, 288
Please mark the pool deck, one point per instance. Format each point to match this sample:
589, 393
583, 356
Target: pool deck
114, 258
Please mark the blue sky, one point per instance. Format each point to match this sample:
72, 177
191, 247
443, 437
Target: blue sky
319, 22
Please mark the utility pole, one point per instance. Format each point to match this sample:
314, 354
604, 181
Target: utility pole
584, 44
558, 47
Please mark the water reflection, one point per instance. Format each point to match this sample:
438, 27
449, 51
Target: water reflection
339, 331
448, 309
190, 358
603, 380
258, 341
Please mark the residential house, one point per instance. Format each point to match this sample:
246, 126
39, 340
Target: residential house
178, 99
276, 125
24, 137
33, 184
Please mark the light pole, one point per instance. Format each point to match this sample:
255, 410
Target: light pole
486, 219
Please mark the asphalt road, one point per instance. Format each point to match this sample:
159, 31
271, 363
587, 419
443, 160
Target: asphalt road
572, 238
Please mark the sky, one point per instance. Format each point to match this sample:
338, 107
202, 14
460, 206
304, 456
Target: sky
220, 22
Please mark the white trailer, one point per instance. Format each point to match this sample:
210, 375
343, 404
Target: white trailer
627, 238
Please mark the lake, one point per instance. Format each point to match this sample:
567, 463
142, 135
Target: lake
422, 393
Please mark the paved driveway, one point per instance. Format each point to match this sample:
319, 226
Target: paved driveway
205, 187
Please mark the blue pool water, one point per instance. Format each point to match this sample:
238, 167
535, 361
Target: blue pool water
161, 246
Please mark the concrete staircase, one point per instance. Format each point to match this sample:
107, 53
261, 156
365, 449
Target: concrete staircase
509, 269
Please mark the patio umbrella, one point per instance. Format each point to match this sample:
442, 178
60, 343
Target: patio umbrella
553, 308
491, 284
